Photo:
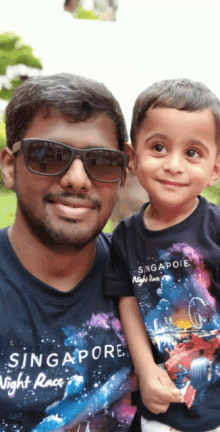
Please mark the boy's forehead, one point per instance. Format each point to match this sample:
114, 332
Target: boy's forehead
172, 123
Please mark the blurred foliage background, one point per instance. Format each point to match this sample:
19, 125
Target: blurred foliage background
82, 13
18, 63
14, 53
102, 10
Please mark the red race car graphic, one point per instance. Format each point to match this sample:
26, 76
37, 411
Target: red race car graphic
190, 364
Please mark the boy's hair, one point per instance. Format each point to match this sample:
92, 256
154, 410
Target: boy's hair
73, 96
180, 94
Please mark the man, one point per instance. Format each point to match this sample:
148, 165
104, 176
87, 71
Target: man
64, 364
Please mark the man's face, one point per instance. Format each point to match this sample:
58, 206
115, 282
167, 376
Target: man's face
68, 210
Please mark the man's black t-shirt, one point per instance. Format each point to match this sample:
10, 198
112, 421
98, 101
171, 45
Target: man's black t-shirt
174, 274
64, 365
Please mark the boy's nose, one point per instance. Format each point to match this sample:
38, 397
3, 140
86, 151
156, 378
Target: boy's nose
76, 177
173, 163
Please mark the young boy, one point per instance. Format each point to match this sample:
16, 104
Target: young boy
165, 259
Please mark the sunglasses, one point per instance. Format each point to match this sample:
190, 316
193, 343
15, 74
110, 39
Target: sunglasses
50, 158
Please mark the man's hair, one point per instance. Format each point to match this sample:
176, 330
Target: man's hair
180, 94
73, 96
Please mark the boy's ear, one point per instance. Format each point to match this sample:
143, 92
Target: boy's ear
123, 180
7, 167
215, 174
129, 149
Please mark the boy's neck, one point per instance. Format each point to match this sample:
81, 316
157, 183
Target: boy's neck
158, 217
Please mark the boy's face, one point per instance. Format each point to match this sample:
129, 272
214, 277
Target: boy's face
175, 155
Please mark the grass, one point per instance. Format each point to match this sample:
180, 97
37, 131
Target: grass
108, 228
8, 204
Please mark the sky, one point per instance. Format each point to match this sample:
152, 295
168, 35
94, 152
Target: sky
151, 41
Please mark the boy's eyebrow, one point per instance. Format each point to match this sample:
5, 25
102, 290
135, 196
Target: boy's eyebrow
198, 142
157, 135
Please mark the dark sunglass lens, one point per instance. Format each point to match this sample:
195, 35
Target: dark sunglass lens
47, 157
105, 165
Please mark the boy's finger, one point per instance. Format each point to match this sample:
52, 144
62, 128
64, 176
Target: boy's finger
165, 394
176, 395
178, 398
168, 392
169, 384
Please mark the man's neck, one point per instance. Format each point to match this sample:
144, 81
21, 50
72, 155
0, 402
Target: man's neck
157, 217
61, 270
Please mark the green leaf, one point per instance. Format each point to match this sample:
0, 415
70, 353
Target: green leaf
13, 52
212, 193
82, 13
6, 94
8, 41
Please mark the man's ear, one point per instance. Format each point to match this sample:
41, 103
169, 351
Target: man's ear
7, 167
129, 149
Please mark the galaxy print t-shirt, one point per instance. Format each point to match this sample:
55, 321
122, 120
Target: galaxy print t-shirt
64, 365
174, 274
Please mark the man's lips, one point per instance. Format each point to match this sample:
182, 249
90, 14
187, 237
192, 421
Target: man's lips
73, 203
72, 212
73, 208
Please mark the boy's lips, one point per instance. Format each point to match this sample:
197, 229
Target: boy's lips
172, 183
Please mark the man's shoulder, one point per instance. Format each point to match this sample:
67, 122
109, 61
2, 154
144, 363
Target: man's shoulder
4, 238
103, 243
3, 231
104, 240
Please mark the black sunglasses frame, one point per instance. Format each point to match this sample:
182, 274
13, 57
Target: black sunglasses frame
75, 152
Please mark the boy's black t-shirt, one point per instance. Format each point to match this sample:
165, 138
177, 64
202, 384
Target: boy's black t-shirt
63, 359
174, 274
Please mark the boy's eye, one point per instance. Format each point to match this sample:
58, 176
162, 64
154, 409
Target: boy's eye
159, 148
193, 153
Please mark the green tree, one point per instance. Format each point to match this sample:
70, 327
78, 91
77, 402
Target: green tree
82, 13
213, 193
12, 53
2, 135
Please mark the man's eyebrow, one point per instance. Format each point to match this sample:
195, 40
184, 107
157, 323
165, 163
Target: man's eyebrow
92, 145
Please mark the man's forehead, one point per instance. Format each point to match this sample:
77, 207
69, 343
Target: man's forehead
53, 125
52, 116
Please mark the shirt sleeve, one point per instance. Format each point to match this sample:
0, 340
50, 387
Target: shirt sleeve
117, 280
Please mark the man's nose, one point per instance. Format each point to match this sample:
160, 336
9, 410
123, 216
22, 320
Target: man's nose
76, 177
173, 163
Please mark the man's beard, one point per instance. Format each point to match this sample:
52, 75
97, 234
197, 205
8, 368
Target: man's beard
61, 239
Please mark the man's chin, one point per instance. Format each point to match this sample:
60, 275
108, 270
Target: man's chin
58, 234
62, 240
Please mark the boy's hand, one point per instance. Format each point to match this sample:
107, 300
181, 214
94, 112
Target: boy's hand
158, 390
